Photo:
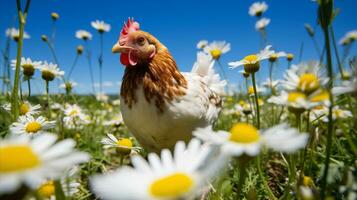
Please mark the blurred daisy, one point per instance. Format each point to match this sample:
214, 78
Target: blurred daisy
274, 57
6, 106
202, 44
251, 62
27, 66
70, 187
257, 9
337, 113
271, 84
83, 35
73, 112
54, 16
177, 176
27, 109
102, 97
305, 77
262, 24
68, 86
122, 145
29, 125
116, 102
101, 26
217, 48
50, 71
348, 38
115, 121
14, 34
246, 139
32, 160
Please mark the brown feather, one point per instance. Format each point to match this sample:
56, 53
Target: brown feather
159, 77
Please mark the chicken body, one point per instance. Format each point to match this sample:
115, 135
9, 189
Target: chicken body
160, 105
155, 130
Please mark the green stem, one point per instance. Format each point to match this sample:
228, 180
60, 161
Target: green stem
324, 6
339, 64
29, 86
73, 66
48, 100
265, 183
256, 100
222, 70
15, 94
90, 66
100, 61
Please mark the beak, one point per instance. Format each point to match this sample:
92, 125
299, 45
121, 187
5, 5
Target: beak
117, 48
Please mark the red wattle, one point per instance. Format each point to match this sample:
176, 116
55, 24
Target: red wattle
124, 59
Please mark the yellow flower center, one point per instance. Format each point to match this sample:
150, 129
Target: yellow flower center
251, 58
321, 96
48, 75
241, 102
251, 90
47, 189
125, 142
24, 108
337, 113
307, 181
290, 57
17, 158
244, 133
251, 63
73, 113
294, 96
308, 82
273, 57
33, 127
216, 53
174, 185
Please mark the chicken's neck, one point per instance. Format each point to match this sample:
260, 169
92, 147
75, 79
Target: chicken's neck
160, 80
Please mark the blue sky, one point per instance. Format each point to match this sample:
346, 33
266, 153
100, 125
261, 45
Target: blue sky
177, 24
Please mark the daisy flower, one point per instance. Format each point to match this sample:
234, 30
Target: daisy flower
217, 48
116, 102
102, 97
27, 109
337, 113
305, 77
257, 9
68, 86
115, 121
100, 26
29, 125
27, 66
15, 34
74, 116
180, 175
348, 38
274, 57
246, 139
201, 44
271, 84
83, 35
54, 16
32, 160
50, 71
251, 62
122, 145
70, 187
262, 24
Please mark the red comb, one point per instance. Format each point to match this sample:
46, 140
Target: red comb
130, 26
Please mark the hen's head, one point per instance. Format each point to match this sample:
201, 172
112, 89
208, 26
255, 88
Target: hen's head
135, 46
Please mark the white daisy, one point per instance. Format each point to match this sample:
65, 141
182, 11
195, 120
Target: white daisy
257, 9
29, 125
50, 71
102, 97
74, 116
217, 48
269, 84
305, 77
250, 62
15, 34
83, 35
27, 109
277, 55
116, 102
201, 44
122, 145
349, 37
337, 113
262, 24
177, 176
27, 66
297, 101
116, 121
101, 26
32, 160
69, 85
246, 139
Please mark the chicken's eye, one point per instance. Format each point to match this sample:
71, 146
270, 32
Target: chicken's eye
140, 41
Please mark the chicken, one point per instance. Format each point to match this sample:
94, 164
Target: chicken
160, 105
